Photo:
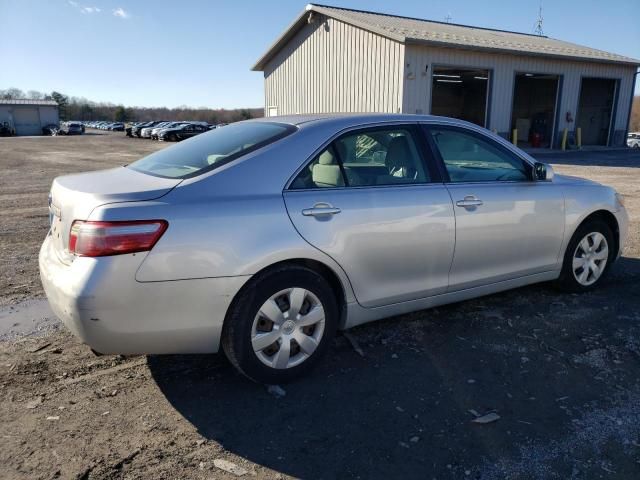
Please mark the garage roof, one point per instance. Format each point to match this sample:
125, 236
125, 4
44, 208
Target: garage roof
415, 30
27, 101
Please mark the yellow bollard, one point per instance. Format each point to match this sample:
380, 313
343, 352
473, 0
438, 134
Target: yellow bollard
514, 137
564, 139
579, 137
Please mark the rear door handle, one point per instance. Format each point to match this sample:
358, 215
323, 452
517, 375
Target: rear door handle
469, 201
320, 209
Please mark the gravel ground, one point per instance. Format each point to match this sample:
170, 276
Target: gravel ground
562, 373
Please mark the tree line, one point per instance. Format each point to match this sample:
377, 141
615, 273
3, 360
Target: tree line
79, 108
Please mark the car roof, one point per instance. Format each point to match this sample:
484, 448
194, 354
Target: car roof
354, 118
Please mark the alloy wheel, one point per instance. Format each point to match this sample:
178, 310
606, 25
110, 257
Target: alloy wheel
288, 328
590, 258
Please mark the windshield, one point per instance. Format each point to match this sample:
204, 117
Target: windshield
211, 150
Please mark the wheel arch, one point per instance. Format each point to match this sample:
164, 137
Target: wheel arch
609, 219
319, 267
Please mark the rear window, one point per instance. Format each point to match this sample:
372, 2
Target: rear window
211, 150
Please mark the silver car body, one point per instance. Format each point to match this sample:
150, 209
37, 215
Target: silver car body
392, 249
147, 131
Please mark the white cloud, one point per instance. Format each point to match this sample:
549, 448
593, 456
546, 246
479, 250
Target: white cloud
84, 9
120, 12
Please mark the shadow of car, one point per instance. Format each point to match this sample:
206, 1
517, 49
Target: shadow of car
405, 408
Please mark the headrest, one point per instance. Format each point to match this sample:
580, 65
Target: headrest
399, 153
326, 158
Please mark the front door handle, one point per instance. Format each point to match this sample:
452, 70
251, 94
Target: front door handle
320, 209
469, 201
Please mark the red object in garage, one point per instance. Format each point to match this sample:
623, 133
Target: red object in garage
536, 140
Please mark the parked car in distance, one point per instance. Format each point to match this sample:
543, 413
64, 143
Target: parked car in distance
127, 129
181, 132
157, 129
117, 127
6, 130
137, 130
71, 128
50, 129
266, 236
633, 140
146, 131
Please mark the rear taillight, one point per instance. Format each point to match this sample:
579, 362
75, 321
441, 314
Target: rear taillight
100, 239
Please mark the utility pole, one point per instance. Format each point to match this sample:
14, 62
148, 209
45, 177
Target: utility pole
448, 18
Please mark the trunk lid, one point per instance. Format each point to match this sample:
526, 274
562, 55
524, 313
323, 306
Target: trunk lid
74, 197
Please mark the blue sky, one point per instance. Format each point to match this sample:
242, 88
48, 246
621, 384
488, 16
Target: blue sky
199, 53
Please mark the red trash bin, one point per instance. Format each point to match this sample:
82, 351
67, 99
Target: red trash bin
536, 140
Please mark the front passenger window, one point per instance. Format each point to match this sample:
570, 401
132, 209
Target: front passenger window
469, 158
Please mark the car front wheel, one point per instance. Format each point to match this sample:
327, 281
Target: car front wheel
588, 257
280, 325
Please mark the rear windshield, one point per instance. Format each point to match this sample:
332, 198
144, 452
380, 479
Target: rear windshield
211, 150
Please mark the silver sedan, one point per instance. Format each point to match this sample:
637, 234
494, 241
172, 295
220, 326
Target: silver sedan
266, 236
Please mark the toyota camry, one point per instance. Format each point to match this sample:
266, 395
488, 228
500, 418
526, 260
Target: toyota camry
265, 237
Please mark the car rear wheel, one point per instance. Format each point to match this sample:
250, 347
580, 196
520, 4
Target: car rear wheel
280, 325
588, 257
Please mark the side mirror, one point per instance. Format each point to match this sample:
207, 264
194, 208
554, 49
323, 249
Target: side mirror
543, 171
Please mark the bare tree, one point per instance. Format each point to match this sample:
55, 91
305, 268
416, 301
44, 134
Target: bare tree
11, 94
35, 95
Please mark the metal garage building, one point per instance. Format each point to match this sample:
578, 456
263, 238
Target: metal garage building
27, 117
339, 60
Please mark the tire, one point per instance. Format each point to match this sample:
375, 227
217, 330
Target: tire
172, 138
570, 278
280, 288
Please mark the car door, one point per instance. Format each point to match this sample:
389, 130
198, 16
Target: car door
507, 224
186, 132
371, 202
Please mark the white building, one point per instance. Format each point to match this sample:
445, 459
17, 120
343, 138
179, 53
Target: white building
27, 117
340, 60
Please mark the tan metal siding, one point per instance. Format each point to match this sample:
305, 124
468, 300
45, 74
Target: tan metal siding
417, 91
330, 66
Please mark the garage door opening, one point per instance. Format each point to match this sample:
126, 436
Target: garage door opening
595, 110
26, 121
460, 93
535, 100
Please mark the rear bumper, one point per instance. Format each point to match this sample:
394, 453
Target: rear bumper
100, 301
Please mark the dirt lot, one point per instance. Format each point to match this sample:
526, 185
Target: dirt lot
561, 371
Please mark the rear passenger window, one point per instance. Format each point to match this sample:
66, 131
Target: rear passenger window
323, 172
381, 157
366, 158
